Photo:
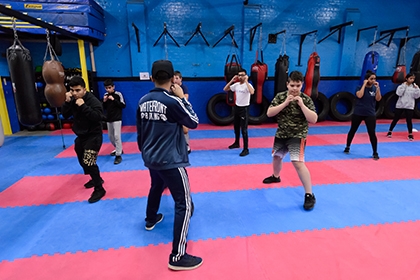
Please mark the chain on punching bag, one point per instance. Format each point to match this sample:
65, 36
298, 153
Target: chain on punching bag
23, 80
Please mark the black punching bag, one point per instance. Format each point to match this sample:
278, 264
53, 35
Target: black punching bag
281, 74
23, 81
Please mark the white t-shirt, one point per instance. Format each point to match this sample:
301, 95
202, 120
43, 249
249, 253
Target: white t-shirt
242, 93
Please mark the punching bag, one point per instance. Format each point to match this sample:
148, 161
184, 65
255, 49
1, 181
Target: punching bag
370, 63
23, 81
415, 67
399, 74
259, 72
312, 76
231, 69
281, 74
55, 91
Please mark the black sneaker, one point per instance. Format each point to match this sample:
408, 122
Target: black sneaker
187, 262
389, 134
347, 150
114, 153
309, 201
271, 179
410, 137
118, 160
151, 225
97, 195
375, 156
90, 184
234, 146
245, 152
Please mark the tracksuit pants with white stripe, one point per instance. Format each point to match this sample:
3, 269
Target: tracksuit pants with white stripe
177, 181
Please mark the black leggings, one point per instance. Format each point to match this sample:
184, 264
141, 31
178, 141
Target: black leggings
370, 122
408, 117
240, 123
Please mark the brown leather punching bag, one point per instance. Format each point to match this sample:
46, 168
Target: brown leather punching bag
53, 74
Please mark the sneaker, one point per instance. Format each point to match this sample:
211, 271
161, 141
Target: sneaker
151, 225
90, 183
118, 160
187, 262
389, 134
410, 137
375, 156
347, 150
97, 195
309, 201
245, 152
271, 179
234, 146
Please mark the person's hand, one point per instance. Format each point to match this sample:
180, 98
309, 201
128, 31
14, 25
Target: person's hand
365, 82
111, 97
177, 90
68, 96
80, 101
376, 84
246, 78
234, 79
105, 97
415, 85
299, 100
289, 99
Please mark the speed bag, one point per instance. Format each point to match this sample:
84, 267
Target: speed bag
23, 81
370, 63
258, 76
281, 74
231, 67
312, 76
399, 74
55, 91
415, 67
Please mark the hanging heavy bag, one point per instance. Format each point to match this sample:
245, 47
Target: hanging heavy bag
23, 81
53, 74
415, 67
399, 74
231, 69
370, 63
258, 76
281, 74
312, 76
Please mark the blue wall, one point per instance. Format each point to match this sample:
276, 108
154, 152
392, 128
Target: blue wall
202, 66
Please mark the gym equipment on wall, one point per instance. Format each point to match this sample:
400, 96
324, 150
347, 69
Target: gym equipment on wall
312, 76
23, 81
342, 106
322, 105
281, 72
415, 67
370, 62
218, 111
198, 31
302, 39
231, 69
401, 70
259, 72
231, 32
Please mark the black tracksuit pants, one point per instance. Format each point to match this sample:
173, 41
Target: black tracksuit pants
240, 124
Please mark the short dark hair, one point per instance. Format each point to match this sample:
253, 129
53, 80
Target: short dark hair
242, 70
108, 82
177, 73
77, 81
369, 73
296, 76
409, 75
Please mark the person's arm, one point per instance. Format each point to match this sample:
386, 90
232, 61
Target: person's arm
274, 110
120, 100
184, 113
231, 82
66, 108
93, 111
249, 86
378, 95
401, 89
310, 115
361, 91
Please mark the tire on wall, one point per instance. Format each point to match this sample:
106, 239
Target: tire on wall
258, 112
380, 106
340, 101
322, 105
218, 111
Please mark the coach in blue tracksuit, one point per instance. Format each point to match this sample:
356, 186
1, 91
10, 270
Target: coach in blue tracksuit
160, 116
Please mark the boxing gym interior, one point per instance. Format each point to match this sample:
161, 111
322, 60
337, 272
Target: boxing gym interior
366, 220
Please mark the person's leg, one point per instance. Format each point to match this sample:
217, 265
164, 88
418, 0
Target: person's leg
355, 123
397, 116
111, 133
236, 127
279, 152
117, 137
371, 127
153, 199
409, 119
244, 129
296, 147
